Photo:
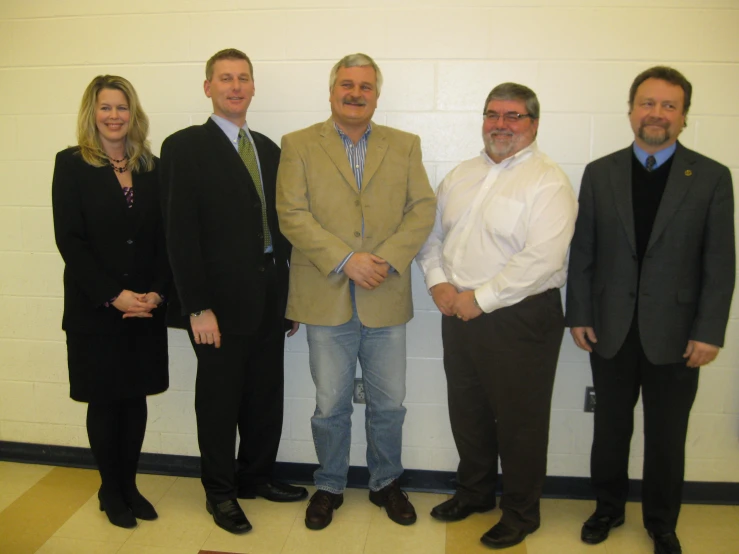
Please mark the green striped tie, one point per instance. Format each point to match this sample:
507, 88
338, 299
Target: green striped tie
248, 156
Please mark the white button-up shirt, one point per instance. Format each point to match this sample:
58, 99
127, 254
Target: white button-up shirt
502, 230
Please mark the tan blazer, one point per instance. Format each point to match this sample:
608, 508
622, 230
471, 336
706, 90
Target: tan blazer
320, 209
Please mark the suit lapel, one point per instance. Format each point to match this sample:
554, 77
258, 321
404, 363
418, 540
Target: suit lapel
621, 184
376, 149
333, 146
678, 183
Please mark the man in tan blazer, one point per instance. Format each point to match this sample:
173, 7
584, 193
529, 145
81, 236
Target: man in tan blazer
354, 200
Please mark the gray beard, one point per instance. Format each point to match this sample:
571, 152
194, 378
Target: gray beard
654, 139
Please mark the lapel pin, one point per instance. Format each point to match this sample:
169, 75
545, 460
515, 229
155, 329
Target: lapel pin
688, 173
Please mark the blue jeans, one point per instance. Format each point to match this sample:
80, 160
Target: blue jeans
333, 361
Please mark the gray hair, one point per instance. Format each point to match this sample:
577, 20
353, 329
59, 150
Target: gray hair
514, 91
355, 60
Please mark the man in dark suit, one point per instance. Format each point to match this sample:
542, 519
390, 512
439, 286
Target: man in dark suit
230, 265
651, 277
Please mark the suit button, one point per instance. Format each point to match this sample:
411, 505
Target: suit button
258, 205
632, 295
125, 274
129, 241
356, 202
634, 257
260, 235
260, 269
357, 233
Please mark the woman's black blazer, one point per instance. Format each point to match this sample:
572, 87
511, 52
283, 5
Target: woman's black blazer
106, 246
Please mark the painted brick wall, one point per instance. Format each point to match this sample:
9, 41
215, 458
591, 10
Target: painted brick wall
440, 58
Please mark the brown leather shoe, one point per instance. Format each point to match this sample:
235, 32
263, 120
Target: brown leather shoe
395, 502
321, 509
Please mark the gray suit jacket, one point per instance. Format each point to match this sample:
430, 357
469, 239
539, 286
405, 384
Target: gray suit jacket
687, 275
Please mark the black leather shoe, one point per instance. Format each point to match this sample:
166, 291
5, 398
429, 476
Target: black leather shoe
274, 492
118, 512
595, 530
666, 543
320, 511
503, 536
396, 503
455, 510
228, 515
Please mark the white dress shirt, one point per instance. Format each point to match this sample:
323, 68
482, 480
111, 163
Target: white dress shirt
502, 230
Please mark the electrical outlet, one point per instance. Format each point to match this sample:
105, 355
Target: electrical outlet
359, 391
589, 399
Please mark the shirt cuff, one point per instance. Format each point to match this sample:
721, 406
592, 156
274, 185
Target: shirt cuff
340, 267
487, 300
434, 277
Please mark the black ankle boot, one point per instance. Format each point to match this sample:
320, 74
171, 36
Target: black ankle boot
118, 512
140, 506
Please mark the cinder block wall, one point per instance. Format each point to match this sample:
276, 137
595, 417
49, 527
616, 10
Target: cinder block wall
440, 58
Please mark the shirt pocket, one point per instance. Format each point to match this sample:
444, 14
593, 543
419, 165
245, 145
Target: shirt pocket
502, 216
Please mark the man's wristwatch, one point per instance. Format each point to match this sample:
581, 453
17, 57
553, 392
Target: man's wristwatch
198, 314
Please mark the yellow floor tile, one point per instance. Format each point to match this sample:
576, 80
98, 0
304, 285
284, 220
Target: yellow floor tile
343, 536
264, 538
16, 479
44, 507
21, 543
170, 530
139, 549
423, 537
61, 545
463, 537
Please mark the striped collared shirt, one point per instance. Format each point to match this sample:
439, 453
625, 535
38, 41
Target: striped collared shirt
356, 152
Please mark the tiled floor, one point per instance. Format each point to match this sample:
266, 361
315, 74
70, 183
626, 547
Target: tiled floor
52, 510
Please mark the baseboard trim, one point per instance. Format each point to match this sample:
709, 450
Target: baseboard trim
421, 480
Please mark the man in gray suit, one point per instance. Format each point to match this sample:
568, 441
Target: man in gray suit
651, 277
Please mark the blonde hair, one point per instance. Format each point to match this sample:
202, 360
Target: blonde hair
138, 150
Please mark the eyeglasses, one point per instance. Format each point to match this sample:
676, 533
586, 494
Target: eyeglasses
508, 117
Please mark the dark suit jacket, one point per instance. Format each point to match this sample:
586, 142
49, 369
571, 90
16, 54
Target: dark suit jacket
213, 222
106, 246
687, 275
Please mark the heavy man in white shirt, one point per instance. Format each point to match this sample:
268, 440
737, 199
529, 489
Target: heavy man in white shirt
494, 263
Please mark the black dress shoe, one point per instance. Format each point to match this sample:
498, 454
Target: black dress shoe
666, 543
274, 492
228, 515
396, 503
503, 536
118, 512
454, 510
320, 511
595, 530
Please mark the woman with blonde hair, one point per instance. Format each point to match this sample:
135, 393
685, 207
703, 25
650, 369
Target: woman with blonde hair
108, 228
